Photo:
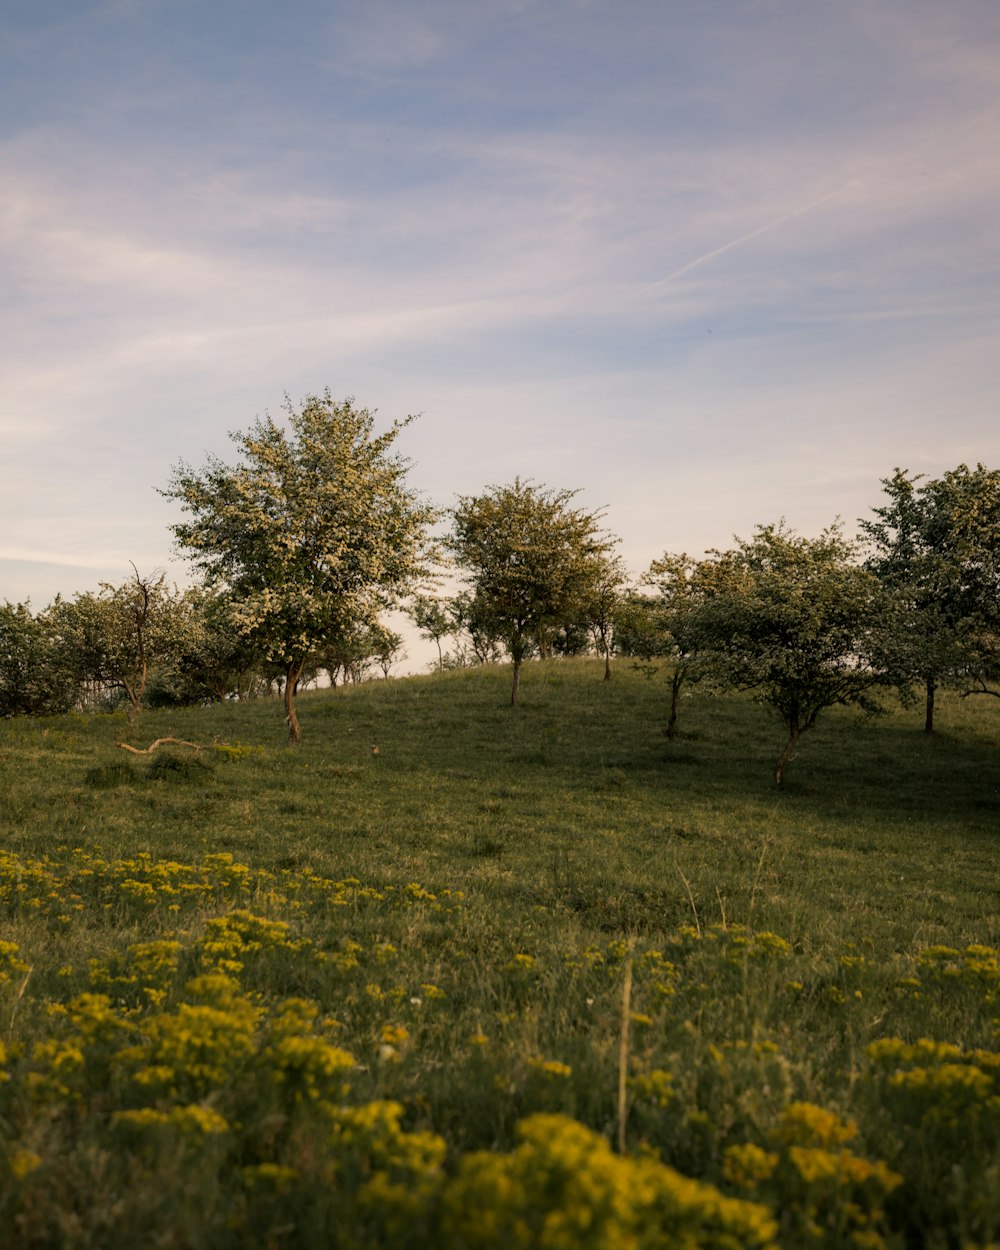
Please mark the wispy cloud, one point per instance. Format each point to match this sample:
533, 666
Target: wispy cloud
630, 248
72, 560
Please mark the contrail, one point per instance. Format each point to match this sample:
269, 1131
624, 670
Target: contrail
744, 238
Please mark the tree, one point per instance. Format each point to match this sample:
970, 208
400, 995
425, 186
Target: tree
472, 621
602, 606
431, 617
313, 532
31, 682
355, 651
936, 546
112, 641
529, 558
213, 660
683, 586
387, 649
798, 621
571, 638
639, 628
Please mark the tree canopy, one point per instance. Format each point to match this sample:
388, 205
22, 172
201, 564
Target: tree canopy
603, 603
114, 640
431, 617
796, 620
529, 558
313, 532
31, 683
936, 545
674, 629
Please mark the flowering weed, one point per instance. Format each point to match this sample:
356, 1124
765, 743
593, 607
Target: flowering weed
279, 1001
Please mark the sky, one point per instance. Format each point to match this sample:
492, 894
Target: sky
711, 262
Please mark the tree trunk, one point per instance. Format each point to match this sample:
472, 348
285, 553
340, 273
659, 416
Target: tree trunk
515, 689
292, 674
141, 618
675, 693
931, 689
135, 694
785, 756
607, 662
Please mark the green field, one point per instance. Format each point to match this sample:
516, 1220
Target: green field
508, 981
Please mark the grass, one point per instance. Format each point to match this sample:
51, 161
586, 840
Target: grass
460, 913
575, 800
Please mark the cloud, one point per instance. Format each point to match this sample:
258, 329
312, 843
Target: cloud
621, 248
26, 555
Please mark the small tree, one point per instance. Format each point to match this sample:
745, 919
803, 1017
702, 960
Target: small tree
32, 683
530, 560
79, 628
348, 657
359, 649
387, 649
214, 661
571, 638
431, 617
798, 621
112, 641
639, 629
472, 621
936, 546
603, 604
313, 533
683, 586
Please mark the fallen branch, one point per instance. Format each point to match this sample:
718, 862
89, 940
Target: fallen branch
180, 742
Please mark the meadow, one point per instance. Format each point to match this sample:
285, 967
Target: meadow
530, 977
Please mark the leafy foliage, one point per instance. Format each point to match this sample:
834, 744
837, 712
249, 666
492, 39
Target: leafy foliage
313, 532
531, 561
432, 618
475, 631
212, 660
797, 621
359, 649
602, 606
31, 682
111, 642
671, 624
937, 546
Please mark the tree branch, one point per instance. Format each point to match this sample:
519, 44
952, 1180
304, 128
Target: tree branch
980, 689
196, 746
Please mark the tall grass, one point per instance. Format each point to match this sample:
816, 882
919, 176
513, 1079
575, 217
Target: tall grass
220, 970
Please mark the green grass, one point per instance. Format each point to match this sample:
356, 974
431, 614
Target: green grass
564, 850
575, 801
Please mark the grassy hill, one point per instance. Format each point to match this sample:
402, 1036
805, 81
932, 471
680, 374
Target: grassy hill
293, 992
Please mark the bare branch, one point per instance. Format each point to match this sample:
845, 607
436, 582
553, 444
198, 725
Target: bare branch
180, 742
